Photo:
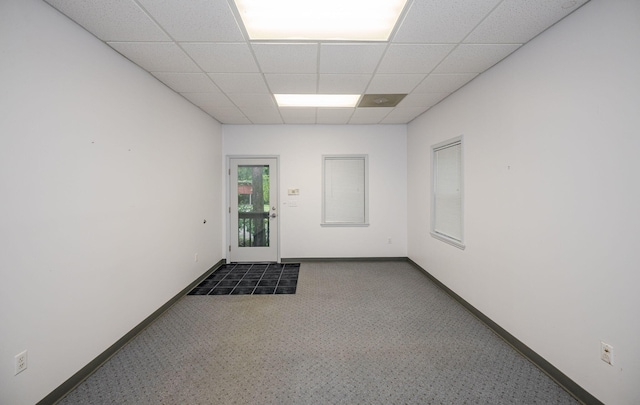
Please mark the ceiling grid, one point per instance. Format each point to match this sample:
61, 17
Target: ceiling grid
201, 49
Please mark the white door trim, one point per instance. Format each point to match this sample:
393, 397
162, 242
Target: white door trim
274, 190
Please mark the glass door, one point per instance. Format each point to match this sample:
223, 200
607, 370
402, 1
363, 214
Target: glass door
253, 210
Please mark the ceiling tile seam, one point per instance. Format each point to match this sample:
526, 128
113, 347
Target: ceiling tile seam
387, 114
273, 98
375, 70
403, 15
446, 56
144, 10
247, 40
183, 50
250, 42
318, 56
431, 72
208, 78
481, 21
189, 56
159, 42
127, 58
239, 22
491, 43
353, 111
438, 64
106, 42
539, 33
505, 57
202, 70
390, 42
421, 81
202, 109
315, 120
180, 43
318, 64
301, 41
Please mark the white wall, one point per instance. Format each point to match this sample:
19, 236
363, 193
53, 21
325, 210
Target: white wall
552, 194
106, 177
300, 149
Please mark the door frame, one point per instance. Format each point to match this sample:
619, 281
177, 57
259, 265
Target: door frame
227, 208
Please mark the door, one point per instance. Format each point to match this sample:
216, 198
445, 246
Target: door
253, 198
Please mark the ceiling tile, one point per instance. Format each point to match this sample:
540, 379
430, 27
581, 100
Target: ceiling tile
292, 84
412, 58
442, 21
263, 115
226, 115
216, 99
239, 120
518, 21
112, 20
156, 56
298, 115
197, 48
186, 82
343, 84
394, 84
474, 58
222, 57
369, 115
334, 116
252, 83
350, 58
403, 115
444, 83
287, 58
195, 20
424, 100
253, 100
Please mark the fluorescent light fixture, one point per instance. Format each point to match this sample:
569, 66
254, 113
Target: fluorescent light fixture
356, 20
317, 100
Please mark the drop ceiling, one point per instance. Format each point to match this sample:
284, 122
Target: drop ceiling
200, 49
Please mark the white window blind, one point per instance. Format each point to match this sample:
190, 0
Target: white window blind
345, 190
447, 193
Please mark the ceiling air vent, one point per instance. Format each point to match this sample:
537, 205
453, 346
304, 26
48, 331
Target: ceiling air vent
380, 100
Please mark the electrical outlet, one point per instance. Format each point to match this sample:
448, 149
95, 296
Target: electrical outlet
20, 362
606, 353
195, 258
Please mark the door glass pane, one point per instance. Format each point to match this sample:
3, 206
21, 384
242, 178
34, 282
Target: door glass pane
253, 206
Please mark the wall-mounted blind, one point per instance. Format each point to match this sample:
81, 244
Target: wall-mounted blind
345, 190
447, 210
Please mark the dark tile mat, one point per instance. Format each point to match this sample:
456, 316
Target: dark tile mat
247, 279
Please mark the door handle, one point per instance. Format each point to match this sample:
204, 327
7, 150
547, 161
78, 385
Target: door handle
273, 215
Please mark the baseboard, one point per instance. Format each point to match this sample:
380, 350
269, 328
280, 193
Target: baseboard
558, 376
90, 368
342, 259
569, 385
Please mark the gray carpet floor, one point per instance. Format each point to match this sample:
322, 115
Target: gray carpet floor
354, 333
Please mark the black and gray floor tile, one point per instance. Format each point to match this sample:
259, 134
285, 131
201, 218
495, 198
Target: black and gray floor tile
250, 278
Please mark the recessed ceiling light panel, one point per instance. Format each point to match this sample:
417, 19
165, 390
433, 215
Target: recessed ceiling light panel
355, 20
317, 100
